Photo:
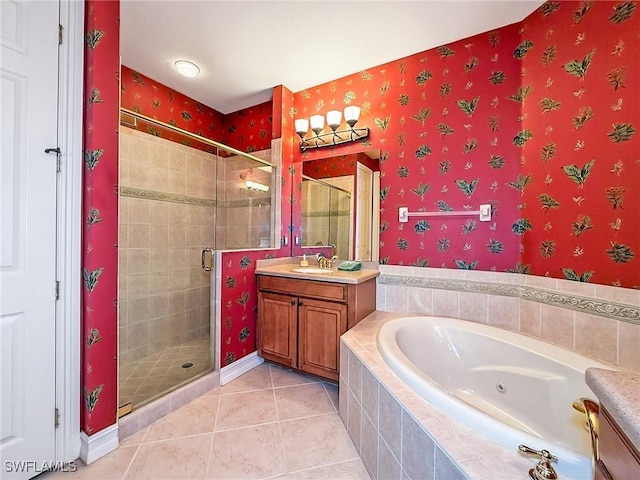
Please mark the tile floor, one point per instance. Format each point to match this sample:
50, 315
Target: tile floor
268, 423
144, 380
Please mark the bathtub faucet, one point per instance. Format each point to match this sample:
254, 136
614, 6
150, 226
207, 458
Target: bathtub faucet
591, 409
543, 470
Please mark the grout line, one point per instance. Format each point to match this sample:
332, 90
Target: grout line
133, 459
213, 439
309, 416
297, 384
245, 391
215, 423
335, 408
275, 400
315, 467
172, 439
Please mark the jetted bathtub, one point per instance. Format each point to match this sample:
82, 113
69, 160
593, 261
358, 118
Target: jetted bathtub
508, 387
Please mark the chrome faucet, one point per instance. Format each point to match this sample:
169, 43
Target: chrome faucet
543, 470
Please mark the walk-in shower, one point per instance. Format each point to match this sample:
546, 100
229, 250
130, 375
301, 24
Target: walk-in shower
181, 196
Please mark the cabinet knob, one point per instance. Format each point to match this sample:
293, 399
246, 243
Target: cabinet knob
293, 302
300, 303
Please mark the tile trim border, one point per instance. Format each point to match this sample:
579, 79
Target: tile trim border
187, 199
164, 197
592, 306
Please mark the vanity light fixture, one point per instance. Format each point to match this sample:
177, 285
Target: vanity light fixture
186, 68
335, 136
251, 185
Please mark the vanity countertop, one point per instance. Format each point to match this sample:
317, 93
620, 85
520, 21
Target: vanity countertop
336, 276
619, 393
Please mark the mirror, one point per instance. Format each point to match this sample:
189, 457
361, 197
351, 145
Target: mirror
340, 205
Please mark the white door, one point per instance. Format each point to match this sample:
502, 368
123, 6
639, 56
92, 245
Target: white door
29, 73
364, 189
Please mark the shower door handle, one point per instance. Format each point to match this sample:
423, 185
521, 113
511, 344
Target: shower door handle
207, 259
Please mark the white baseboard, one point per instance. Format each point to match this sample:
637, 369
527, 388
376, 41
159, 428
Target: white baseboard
98, 445
237, 368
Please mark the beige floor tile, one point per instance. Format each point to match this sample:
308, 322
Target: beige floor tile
349, 470
281, 377
239, 410
110, 467
183, 458
249, 442
135, 439
247, 453
302, 401
257, 378
315, 441
196, 417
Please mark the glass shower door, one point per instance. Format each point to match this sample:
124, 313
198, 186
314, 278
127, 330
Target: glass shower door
167, 216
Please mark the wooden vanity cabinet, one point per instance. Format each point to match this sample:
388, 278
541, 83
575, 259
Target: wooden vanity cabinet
619, 458
300, 321
278, 338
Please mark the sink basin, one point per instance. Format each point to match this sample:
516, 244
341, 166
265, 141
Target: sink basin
319, 271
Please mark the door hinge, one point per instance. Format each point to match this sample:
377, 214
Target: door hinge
60, 28
56, 422
57, 289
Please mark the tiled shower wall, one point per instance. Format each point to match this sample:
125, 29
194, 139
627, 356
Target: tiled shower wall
596, 321
166, 217
244, 216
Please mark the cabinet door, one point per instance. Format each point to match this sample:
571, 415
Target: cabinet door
277, 336
320, 325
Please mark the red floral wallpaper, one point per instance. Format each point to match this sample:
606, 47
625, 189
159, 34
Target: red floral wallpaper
337, 166
444, 120
581, 164
144, 95
249, 129
291, 174
239, 305
100, 211
513, 118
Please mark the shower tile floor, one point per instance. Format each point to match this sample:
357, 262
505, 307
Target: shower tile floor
151, 377
270, 423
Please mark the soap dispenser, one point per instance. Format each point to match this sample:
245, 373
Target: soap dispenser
304, 262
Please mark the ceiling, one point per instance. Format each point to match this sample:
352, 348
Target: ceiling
245, 48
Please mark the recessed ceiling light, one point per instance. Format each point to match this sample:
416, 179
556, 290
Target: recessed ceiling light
187, 69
